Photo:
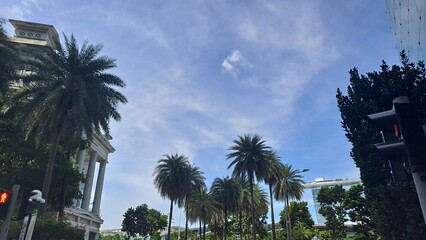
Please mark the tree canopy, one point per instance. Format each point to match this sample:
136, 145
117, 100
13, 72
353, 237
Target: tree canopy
299, 212
67, 93
395, 206
143, 221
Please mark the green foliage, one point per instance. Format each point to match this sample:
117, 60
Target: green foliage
249, 159
111, 237
301, 232
23, 163
48, 229
332, 208
175, 179
9, 60
143, 221
228, 193
299, 212
339, 202
359, 211
203, 206
395, 208
192, 235
67, 95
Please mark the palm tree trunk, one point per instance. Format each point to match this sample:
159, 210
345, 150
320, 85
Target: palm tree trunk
226, 224
49, 169
274, 236
200, 229
288, 218
241, 223
186, 220
252, 208
64, 186
204, 229
170, 220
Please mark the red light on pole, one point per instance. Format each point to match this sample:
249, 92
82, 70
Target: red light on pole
4, 196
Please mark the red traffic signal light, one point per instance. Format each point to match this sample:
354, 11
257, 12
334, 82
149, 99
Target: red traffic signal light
4, 196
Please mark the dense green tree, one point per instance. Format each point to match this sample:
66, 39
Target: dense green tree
172, 179
299, 212
143, 221
203, 206
228, 192
249, 159
274, 175
333, 210
359, 211
290, 186
395, 206
8, 60
110, 237
68, 93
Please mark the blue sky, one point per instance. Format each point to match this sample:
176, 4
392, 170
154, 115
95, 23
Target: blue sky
199, 73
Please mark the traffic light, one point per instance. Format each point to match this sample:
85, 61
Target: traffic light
404, 141
4, 196
4, 202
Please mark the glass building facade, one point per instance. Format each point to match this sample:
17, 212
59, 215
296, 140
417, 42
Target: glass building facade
407, 20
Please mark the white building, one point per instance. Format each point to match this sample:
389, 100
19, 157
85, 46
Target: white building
85, 213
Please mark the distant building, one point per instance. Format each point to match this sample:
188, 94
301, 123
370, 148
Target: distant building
408, 22
320, 182
85, 213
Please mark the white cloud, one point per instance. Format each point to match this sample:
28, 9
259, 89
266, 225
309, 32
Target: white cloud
233, 62
20, 10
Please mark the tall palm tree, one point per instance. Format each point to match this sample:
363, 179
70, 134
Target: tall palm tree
249, 159
227, 191
196, 179
289, 187
202, 205
68, 95
8, 60
259, 203
171, 178
273, 176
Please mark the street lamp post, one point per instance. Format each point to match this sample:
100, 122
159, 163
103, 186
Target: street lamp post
288, 211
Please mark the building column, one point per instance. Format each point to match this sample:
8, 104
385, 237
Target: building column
99, 187
89, 181
80, 160
80, 163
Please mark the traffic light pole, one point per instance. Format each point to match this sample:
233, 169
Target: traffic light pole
6, 224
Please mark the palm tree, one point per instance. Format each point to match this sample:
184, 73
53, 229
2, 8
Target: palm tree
244, 205
301, 232
196, 179
8, 60
171, 178
202, 205
69, 94
249, 159
259, 203
273, 176
227, 191
289, 187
